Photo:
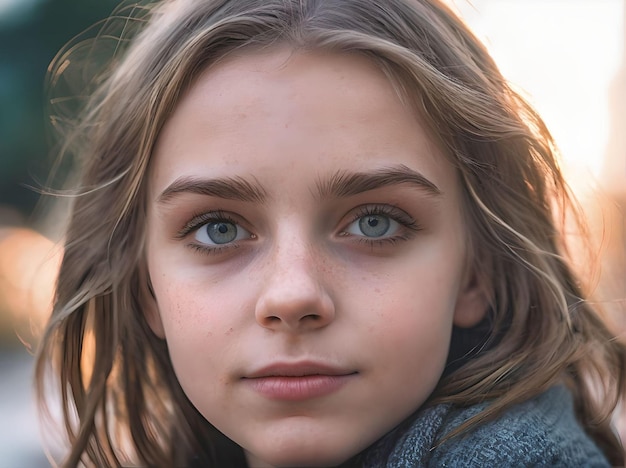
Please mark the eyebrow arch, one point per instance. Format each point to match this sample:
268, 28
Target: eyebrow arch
229, 188
345, 184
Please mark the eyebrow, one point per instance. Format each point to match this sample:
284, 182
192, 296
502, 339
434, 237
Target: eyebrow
345, 184
339, 185
229, 188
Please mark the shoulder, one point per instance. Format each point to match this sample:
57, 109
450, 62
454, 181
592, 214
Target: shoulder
540, 432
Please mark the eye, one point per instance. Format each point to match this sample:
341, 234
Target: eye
373, 226
378, 224
220, 232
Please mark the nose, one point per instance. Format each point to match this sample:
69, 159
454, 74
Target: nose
294, 297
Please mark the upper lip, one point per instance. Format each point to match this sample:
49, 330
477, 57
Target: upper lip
297, 369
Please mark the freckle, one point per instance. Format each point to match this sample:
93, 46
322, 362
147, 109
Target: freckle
230, 330
179, 314
377, 290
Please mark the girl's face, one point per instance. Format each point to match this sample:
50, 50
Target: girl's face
307, 254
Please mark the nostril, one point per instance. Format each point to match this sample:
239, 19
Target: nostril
298, 309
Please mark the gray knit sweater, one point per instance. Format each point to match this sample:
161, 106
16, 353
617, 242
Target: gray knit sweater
540, 432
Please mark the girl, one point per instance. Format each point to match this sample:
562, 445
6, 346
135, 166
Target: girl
319, 233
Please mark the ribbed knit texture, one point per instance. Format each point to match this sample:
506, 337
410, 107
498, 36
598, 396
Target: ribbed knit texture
540, 432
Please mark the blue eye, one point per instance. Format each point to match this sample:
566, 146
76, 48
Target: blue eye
373, 226
220, 232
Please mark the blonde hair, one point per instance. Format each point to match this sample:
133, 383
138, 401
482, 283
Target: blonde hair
116, 381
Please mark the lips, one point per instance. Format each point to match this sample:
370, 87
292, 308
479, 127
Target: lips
298, 381
297, 370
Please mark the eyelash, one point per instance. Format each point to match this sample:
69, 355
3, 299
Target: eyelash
407, 224
201, 219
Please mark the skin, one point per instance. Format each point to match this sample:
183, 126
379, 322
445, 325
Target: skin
309, 281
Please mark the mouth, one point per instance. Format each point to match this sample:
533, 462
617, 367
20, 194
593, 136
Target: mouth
302, 369
298, 381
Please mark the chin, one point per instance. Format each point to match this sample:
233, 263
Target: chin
297, 460
312, 455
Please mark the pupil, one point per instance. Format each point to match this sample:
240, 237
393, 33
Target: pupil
222, 228
373, 222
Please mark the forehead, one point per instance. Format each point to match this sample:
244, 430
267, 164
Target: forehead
260, 111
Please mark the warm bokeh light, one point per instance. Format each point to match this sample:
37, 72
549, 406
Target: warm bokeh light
28, 266
568, 59
564, 56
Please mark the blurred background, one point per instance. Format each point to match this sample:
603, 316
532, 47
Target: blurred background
567, 57
31, 33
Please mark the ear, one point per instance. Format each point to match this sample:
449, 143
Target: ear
472, 302
150, 307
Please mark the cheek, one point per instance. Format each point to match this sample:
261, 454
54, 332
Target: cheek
403, 335
200, 323
410, 322
190, 303
414, 327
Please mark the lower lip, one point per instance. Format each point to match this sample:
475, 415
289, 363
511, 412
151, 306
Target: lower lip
298, 388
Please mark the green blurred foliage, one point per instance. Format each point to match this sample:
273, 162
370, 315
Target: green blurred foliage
28, 42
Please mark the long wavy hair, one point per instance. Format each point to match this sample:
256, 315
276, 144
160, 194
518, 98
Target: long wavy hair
120, 399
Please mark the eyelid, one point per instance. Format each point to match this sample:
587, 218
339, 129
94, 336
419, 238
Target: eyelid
204, 218
407, 226
393, 212
200, 219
